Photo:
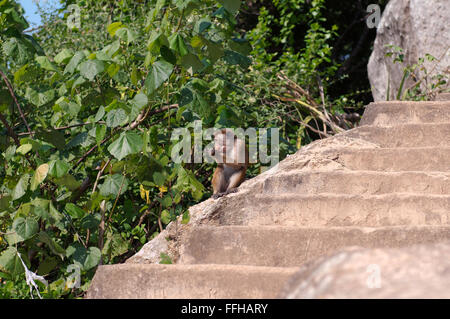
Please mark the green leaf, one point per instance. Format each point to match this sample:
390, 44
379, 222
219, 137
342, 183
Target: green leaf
112, 48
202, 25
233, 58
66, 106
113, 69
45, 63
74, 211
4, 201
89, 69
128, 143
10, 152
165, 259
115, 118
159, 178
100, 132
196, 42
112, 184
177, 44
39, 98
186, 97
135, 76
83, 139
156, 40
91, 221
186, 217
231, 6
200, 105
214, 51
100, 114
46, 266
58, 168
115, 245
168, 55
39, 175
68, 181
54, 246
10, 262
64, 56
25, 227
113, 27
159, 73
27, 73
139, 101
23, 149
241, 46
192, 63
126, 35
54, 137
56, 218
17, 50
74, 62
21, 187
85, 258
165, 217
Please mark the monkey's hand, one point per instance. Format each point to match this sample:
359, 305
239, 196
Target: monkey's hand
217, 195
229, 191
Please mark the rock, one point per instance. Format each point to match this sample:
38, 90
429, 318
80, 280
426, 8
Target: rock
418, 27
210, 212
421, 271
383, 186
354, 162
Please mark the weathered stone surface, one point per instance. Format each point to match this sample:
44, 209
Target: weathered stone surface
135, 281
421, 271
293, 246
356, 183
400, 112
419, 27
245, 208
427, 159
384, 184
443, 97
406, 135
335, 210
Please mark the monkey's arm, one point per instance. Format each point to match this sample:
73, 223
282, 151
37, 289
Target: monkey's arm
218, 181
234, 181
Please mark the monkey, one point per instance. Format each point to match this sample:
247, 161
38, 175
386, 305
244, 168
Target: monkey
231, 155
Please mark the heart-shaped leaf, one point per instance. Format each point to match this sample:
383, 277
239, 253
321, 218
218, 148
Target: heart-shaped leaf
128, 143
113, 184
25, 227
159, 73
89, 69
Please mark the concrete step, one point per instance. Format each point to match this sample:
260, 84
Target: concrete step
443, 97
357, 182
151, 281
398, 112
404, 135
336, 210
290, 247
393, 159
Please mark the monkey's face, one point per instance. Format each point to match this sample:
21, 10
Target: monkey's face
223, 143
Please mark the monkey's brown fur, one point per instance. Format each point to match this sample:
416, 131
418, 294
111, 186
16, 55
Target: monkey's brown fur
230, 173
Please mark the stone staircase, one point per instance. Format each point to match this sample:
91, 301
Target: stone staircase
385, 184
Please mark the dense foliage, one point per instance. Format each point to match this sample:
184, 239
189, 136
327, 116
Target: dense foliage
88, 110
86, 170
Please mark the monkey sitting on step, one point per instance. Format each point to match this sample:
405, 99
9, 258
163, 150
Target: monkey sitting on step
231, 155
